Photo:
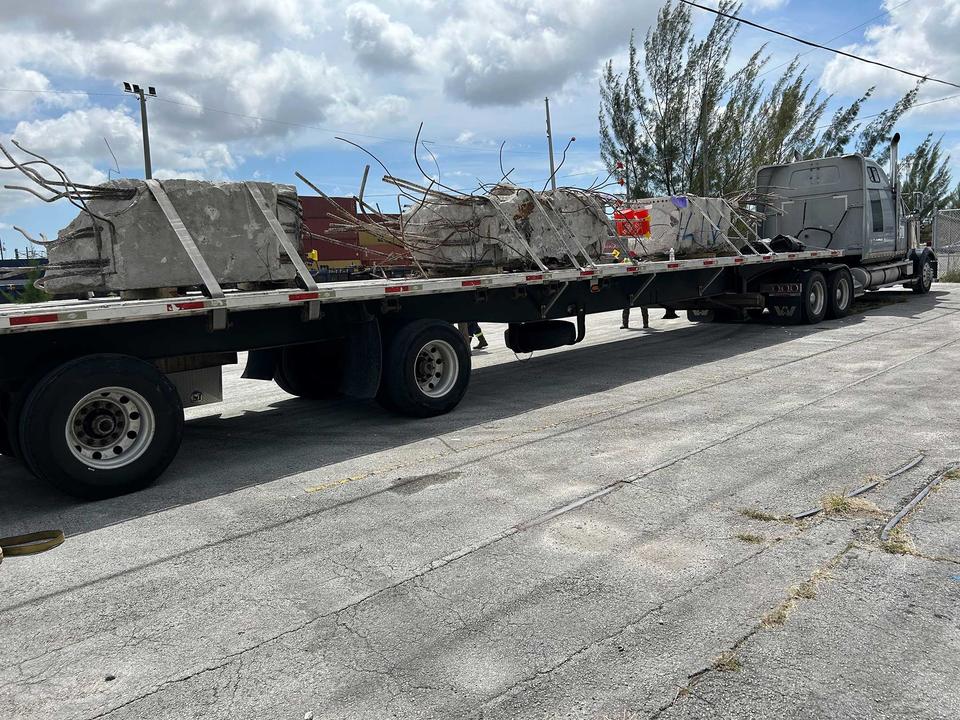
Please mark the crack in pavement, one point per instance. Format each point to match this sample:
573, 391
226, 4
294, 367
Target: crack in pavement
497, 537
607, 413
620, 630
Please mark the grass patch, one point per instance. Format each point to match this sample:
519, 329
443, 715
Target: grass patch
838, 504
955, 473
778, 616
751, 538
899, 543
727, 661
951, 276
754, 514
805, 591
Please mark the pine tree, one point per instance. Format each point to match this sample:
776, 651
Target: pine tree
654, 115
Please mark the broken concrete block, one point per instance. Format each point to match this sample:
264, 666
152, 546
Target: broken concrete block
131, 245
505, 228
689, 225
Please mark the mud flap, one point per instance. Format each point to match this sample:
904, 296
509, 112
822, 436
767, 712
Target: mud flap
260, 364
364, 360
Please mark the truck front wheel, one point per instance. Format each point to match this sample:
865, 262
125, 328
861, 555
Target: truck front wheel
426, 369
101, 425
924, 277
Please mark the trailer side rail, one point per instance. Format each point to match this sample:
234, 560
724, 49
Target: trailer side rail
76, 313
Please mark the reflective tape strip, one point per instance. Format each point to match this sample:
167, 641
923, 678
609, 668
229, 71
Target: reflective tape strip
33, 319
586, 273
672, 266
396, 289
709, 262
534, 278
191, 305
470, 283
737, 260
299, 297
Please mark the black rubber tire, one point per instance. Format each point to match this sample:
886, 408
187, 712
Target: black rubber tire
839, 293
399, 390
924, 277
47, 410
814, 281
6, 439
312, 371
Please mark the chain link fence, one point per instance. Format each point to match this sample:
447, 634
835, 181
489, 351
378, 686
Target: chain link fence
946, 243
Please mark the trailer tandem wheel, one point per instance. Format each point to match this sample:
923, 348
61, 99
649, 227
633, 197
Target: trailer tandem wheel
426, 369
839, 293
101, 425
814, 299
311, 371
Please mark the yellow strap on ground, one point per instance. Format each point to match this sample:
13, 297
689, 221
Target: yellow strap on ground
30, 544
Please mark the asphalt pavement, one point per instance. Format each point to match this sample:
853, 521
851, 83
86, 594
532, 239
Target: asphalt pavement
599, 531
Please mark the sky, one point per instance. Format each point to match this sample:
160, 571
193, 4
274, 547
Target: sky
259, 89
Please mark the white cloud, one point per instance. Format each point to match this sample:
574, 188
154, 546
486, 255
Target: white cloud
920, 36
501, 52
380, 43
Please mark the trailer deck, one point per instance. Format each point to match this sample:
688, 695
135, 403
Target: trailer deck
79, 313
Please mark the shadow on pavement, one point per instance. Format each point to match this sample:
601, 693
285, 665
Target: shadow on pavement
221, 455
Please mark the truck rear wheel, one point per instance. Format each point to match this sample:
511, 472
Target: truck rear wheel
814, 299
101, 425
426, 369
839, 293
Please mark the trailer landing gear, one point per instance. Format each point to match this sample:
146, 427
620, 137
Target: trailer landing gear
101, 425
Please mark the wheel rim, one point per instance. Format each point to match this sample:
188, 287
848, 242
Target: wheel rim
437, 368
817, 298
110, 428
926, 275
842, 298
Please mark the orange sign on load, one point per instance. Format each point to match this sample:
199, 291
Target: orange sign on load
632, 222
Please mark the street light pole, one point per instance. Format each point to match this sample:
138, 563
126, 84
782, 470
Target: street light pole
139, 92
553, 170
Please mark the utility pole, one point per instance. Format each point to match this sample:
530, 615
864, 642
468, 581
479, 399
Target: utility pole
553, 170
139, 92
704, 127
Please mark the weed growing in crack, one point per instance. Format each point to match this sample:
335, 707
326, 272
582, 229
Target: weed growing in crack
840, 505
899, 543
751, 538
727, 661
755, 514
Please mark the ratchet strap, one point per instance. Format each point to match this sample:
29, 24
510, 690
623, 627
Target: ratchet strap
30, 544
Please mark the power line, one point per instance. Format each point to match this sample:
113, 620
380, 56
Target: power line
915, 105
818, 45
837, 37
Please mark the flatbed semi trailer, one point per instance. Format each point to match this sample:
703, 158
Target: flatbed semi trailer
92, 391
